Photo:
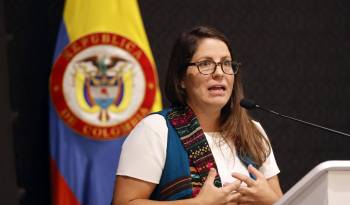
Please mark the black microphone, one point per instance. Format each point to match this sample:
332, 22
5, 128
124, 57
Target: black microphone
250, 104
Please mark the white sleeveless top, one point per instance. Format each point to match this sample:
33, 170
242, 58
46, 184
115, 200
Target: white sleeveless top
144, 152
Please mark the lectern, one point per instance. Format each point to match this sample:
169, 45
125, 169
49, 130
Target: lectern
327, 184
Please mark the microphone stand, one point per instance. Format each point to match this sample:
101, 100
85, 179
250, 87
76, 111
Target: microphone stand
249, 104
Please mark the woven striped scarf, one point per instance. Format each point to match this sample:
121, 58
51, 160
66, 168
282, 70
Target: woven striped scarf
192, 137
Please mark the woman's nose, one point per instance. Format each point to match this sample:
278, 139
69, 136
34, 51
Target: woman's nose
218, 71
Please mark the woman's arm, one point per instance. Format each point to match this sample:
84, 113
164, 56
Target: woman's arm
131, 191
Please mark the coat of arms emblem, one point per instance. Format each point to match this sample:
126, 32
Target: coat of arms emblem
102, 85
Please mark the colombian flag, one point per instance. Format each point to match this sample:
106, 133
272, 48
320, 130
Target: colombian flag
103, 81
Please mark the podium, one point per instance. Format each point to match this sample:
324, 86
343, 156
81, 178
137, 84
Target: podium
327, 184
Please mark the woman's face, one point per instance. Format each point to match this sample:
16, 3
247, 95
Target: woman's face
212, 90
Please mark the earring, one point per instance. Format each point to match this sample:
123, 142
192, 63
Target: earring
182, 85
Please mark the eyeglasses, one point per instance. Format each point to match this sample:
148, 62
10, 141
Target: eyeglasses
207, 67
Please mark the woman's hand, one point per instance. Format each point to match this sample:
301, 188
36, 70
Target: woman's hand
258, 192
211, 195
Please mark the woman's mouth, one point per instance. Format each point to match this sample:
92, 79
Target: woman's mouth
217, 89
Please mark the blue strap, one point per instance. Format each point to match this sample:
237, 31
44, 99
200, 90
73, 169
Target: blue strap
246, 160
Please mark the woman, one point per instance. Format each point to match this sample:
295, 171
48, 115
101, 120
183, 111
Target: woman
205, 149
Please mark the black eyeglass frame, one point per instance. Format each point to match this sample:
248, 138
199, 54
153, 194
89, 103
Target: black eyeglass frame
233, 63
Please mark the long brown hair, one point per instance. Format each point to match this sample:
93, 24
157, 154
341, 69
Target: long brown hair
236, 125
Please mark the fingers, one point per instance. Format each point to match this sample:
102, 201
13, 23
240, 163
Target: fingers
211, 176
234, 197
255, 172
244, 178
244, 190
245, 200
232, 186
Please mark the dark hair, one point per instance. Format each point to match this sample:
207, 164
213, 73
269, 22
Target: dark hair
236, 125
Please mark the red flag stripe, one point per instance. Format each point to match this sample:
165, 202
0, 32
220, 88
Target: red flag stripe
61, 193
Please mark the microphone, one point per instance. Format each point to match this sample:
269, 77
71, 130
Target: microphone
250, 105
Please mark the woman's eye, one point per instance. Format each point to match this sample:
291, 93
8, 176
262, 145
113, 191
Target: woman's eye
227, 63
205, 63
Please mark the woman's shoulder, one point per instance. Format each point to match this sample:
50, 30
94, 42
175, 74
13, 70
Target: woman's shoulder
152, 124
146, 148
151, 130
260, 128
256, 123
154, 121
